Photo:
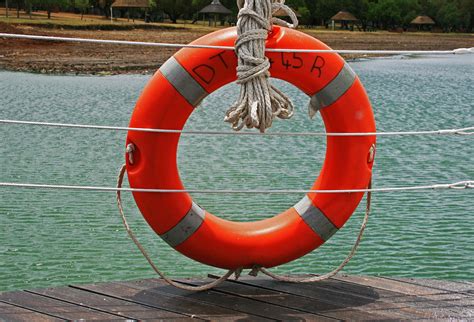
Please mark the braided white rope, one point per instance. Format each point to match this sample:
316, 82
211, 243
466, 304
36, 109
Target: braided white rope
280, 5
259, 102
147, 256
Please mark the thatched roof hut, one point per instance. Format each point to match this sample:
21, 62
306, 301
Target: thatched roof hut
346, 19
216, 8
422, 20
131, 4
344, 16
282, 13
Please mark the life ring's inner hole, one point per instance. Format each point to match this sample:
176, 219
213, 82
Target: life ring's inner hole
249, 162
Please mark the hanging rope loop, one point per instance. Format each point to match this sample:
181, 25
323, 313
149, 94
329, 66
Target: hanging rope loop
168, 280
259, 102
330, 274
237, 272
280, 5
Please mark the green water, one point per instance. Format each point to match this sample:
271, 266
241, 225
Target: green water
54, 237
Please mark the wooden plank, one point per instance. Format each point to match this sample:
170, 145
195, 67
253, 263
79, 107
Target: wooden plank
451, 312
175, 304
449, 305
442, 297
331, 309
253, 306
9, 312
53, 307
380, 305
436, 298
429, 297
342, 298
443, 285
329, 290
390, 285
424, 290
108, 304
344, 287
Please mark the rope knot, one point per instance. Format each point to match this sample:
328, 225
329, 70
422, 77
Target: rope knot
259, 102
129, 150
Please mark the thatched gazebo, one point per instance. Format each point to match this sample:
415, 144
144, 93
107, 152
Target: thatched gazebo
216, 9
282, 13
423, 22
344, 17
129, 4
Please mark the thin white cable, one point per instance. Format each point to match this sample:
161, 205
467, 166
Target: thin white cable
280, 50
459, 131
466, 184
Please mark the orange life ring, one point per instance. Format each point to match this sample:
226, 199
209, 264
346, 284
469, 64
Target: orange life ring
171, 96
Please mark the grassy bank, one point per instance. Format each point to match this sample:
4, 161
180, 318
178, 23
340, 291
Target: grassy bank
70, 21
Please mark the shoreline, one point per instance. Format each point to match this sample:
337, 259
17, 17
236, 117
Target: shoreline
105, 73
64, 58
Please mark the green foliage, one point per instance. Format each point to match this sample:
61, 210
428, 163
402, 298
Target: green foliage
175, 8
80, 4
457, 15
305, 18
49, 5
409, 10
199, 4
229, 4
449, 16
385, 12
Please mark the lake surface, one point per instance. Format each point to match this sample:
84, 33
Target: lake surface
56, 237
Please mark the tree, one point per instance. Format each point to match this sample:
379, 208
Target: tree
467, 12
28, 7
328, 8
175, 8
229, 4
300, 7
199, 4
359, 9
305, 15
409, 9
82, 5
50, 5
104, 5
449, 16
386, 13
295, 4
311, 5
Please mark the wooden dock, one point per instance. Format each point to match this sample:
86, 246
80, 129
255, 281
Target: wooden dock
340, 298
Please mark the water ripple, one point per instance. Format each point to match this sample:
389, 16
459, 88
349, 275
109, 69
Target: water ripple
60, 237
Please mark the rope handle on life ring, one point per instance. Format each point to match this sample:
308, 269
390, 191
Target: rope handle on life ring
147, 256
237, 271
